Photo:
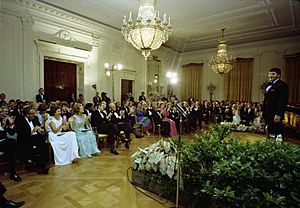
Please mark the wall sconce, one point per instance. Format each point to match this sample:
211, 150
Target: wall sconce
172, 76
155, 78
109, 71
114, 67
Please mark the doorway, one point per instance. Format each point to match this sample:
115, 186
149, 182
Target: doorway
60, 79
126, 87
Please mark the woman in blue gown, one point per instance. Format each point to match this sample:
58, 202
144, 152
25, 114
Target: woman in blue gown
84, 134
141, 116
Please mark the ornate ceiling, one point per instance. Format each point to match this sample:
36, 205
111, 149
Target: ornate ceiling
197, 23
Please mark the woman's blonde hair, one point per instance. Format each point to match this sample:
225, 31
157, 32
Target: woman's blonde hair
76, 107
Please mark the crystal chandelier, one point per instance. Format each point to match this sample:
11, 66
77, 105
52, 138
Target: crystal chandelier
148, 32
221, 63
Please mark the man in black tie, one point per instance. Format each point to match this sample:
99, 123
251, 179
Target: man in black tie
100, 119
31, 142
274, 106
142, 97
41, 97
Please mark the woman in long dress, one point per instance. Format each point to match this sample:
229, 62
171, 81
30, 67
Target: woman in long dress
142, 118
165, 117
64, 144
236, 114
84, 134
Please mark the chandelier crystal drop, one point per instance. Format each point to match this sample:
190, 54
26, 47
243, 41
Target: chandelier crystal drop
148, 32
220, 63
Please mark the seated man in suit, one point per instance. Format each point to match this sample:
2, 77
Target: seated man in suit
158, 119
31, 140
7, 203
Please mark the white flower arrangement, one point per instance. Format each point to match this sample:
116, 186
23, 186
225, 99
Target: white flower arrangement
160, 156
253, 128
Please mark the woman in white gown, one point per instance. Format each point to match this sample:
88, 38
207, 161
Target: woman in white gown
236, 114
64, 144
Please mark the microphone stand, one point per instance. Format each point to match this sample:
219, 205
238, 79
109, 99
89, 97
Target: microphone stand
178, 161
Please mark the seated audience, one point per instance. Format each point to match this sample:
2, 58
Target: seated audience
117, 120
31, 141
81, 99
84, 133
165, 117
158, 120
236, 114
65, 111
8, 141
42, 114
64, 144
100, 120
142, 118
2, 99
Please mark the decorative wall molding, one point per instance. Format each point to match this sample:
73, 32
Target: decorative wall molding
63, 38
40, 7
64, 35
95, 39
28, 22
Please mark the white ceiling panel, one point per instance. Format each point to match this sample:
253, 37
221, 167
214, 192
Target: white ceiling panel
197, 23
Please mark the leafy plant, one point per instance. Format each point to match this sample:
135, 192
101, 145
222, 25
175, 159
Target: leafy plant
219, 172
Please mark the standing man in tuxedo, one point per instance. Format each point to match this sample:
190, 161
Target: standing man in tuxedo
41, 97
274, 106
142, 97
7, 203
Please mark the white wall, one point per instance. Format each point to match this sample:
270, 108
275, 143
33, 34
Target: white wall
25, 26
266, 54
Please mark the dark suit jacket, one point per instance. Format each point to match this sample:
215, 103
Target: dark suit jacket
23, 129
275, 101
97, 120
39, 98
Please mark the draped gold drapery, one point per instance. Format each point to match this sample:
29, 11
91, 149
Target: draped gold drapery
292, 76
191, 81
238, 82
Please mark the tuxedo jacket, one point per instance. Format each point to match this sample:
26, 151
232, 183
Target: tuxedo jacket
115, 118
39, 98
98, 119
276, 98
23, 129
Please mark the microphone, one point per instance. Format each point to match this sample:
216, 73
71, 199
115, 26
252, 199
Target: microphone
181, 110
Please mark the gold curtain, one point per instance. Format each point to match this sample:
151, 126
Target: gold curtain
191, 81
292, 76
238, 82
